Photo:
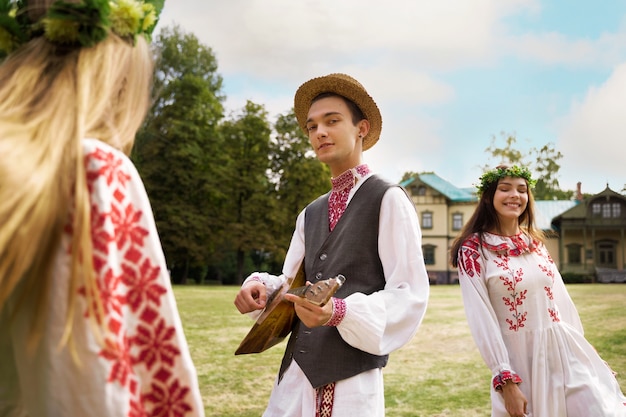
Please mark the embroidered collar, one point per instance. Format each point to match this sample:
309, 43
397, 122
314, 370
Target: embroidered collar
516, 245
350, 177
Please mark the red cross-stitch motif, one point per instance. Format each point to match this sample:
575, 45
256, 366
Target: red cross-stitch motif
140, 347
338, 199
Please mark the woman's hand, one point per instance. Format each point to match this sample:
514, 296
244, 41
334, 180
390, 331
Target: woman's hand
514, 400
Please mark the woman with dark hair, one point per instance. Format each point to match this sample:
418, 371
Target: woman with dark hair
523, 321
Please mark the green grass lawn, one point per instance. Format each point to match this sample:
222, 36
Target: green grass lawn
439, 373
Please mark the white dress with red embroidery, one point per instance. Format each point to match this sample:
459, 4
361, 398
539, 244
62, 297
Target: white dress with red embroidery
524, 321
144, 367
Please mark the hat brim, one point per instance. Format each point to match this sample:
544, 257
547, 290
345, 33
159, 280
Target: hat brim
345, 86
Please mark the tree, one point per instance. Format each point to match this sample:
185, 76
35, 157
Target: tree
543, 162
297, 178
246, 145
546, 170
408, 175
507, 154
178, 150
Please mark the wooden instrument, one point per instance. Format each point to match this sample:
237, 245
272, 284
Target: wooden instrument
278, 317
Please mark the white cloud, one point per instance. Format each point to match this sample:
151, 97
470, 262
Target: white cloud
554, 48
280, 39
407, 54
593, 135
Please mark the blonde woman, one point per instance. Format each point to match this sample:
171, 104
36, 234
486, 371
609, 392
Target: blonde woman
88, 321
523, 321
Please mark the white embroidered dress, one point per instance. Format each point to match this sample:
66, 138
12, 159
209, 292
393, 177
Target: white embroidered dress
523, 320
144, 367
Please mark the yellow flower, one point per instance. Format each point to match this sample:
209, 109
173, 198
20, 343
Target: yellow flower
149, 18
6, 40
125, 17
60, 31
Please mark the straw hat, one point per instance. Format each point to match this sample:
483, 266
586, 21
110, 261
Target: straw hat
345, 86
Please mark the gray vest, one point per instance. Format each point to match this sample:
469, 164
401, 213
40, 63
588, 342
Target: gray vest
351, 249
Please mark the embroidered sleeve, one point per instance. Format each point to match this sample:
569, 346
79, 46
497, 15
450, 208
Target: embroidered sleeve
473, 269
145, 351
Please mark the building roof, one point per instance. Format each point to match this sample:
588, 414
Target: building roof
580, 211
547, 210
442, 186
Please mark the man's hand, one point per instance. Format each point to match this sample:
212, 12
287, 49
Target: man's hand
514, 400
310, 314
251, 297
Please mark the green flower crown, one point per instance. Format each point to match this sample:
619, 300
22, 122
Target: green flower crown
498, 173
77, 24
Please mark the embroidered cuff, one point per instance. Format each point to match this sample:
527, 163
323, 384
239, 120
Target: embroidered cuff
254, 278
504, 376
339, 312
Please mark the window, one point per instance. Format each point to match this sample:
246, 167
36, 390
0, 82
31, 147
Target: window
421, 190
596, 209
457, 221
573, 253
616, 210
429, 254
606, 210
427, 220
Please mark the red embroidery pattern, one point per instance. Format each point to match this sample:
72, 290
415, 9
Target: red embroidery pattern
470, 256
338, 199
141, 349
546, 268
339, 312
515, 298
325, 398
504, 376
554, 315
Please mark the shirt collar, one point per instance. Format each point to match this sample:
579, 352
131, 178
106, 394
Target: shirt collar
350, 177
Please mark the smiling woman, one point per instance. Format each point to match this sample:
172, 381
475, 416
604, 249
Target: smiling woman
520, 314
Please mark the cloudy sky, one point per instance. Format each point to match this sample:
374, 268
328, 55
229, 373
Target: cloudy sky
448, 75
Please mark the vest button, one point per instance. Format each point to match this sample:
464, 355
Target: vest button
319, 275
323, 257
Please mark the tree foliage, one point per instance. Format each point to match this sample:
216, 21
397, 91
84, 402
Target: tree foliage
178, 149
225, 191
297, 178
246, 145
543, 162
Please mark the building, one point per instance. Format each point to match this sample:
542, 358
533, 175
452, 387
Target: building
592, 237
585, 237
442, 209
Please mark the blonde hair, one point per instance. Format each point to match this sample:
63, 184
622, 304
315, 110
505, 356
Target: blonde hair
51, 99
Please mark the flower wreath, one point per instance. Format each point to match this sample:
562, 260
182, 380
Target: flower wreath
498, 173
77, 24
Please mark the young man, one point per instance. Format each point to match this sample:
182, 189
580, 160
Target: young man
365, 229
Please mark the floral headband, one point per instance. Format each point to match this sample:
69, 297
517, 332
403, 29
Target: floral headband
77, 24
498, 173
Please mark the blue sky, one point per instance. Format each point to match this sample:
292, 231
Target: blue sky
448, 76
